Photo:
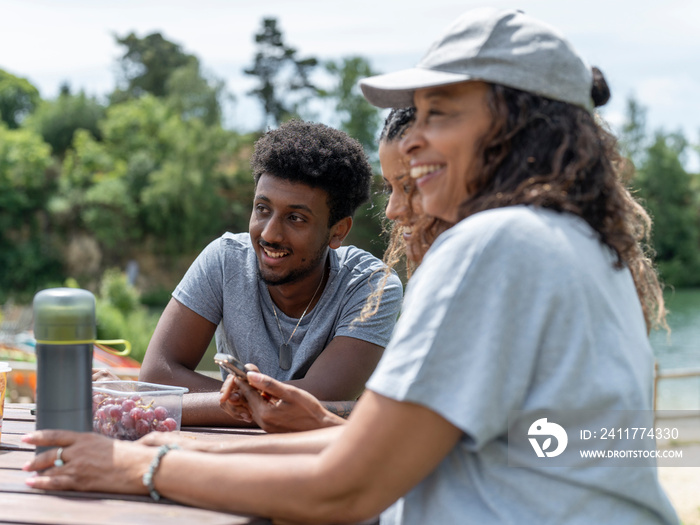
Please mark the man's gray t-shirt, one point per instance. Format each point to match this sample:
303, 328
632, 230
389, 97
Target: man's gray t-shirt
224, 287
520, 309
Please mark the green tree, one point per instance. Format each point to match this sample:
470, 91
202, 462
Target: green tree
148, 63
18, 98
154, 65
633, 135
154, 180
193, 96
27, 257
283, 85
58, 120
667, 191
358, 118
94, 197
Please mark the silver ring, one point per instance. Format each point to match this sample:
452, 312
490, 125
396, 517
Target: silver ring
59, 461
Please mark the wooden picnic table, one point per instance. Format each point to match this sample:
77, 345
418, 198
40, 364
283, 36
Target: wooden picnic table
21, 504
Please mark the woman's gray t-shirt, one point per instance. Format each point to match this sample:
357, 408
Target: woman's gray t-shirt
521, 310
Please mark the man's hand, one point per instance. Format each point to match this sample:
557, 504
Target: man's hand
280, 407
233, 402
104, 374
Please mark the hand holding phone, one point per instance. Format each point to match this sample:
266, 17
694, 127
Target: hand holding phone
231, 364
234, 366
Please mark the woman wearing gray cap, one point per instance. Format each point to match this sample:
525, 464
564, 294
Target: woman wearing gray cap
525, 319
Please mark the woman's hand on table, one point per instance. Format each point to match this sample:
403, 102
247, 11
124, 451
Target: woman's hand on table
90, 462
279, 407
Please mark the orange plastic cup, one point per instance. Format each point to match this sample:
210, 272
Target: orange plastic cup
4, 369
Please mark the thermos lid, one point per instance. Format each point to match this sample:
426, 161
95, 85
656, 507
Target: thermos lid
64, 315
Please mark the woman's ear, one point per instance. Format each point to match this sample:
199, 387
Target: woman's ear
339, 231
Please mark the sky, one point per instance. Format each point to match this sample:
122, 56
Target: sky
648, 50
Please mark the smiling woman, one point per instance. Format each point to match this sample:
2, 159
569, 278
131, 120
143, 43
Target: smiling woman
450, 122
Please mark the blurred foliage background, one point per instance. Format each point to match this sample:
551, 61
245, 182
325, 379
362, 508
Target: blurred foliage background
118, 196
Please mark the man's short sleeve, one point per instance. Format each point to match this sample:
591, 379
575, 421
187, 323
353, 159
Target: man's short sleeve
377, 328
201, 288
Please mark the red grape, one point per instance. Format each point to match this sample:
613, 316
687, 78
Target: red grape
161, 413
129, 417
170, 424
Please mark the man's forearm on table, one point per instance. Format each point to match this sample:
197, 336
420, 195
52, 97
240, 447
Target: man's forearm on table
180, 376
202, 409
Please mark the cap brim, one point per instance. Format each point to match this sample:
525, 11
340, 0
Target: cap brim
395, 90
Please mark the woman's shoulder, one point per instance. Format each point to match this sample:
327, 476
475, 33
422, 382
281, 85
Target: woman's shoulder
519, 234
519, 218
512, 224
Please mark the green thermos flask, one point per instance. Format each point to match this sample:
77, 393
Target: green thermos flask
64, 329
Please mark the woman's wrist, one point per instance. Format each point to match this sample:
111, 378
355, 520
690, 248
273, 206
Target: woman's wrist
148, 478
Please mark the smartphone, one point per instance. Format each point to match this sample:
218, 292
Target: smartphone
234, 366
231, 364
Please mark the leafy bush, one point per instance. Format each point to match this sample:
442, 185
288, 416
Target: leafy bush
57, 120
157, 298
28, 259
120, 314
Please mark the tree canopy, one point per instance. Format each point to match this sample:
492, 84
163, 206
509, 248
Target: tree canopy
283, 79
18, 98
57, 120
156, 66
148, 62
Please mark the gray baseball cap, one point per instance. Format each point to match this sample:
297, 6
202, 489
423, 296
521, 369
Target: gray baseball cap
504, 47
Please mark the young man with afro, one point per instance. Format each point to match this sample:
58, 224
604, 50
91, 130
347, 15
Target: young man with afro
286, 295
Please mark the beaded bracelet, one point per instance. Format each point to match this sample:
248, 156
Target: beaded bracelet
147, 478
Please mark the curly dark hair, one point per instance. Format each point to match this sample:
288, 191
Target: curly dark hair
318, 156
396, 123
551, 154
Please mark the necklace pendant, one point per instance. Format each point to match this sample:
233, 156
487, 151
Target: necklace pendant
285, 356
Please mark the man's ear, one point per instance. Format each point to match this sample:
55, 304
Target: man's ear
339, 231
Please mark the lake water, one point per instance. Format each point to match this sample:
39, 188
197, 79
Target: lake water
679, 351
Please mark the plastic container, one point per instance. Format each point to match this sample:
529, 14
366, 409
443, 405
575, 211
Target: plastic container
4, 369
131, 409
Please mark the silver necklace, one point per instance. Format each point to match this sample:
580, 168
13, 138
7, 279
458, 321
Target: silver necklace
285, 351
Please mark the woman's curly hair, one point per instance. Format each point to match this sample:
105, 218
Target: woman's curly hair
551, 154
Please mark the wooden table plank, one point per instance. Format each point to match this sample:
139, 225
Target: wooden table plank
78, 510
12, 441
17, 427
231, 431
20, 504
13, 459
21, 411
13, 481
